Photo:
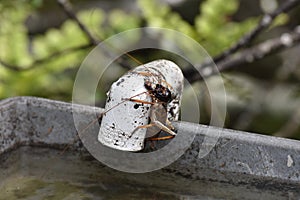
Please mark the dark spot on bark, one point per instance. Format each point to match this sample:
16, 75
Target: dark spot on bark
113, 126
172, 111
136, 106
108, 99
120, 81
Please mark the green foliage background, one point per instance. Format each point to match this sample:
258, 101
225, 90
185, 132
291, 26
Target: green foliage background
54, 78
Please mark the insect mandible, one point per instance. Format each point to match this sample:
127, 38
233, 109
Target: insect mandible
140, 104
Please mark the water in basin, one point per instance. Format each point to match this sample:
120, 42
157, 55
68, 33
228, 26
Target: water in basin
43, 173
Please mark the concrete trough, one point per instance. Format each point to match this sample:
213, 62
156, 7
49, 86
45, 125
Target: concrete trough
241, 163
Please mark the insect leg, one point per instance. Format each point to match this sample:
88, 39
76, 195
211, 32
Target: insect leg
123, 101
142, 126
157, 76
138, 101
145, 73
149, 74
170, 124
166, 129
161, 138
155, 120
163, 127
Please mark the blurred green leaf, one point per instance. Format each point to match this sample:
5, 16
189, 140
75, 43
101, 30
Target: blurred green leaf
213, 29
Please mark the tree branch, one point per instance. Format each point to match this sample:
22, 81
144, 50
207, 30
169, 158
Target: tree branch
67, 7
228, 54
44, 60
265, 22
259, 51
262, 50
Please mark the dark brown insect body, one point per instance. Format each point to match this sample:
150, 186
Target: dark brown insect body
159, 92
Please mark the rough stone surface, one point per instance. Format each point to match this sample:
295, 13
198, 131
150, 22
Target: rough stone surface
238, 157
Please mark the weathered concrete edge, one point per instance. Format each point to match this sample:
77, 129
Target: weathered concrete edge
237, 156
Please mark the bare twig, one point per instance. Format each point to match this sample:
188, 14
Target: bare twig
252, 54
44, 60
262, 50
265, 22
67, 7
